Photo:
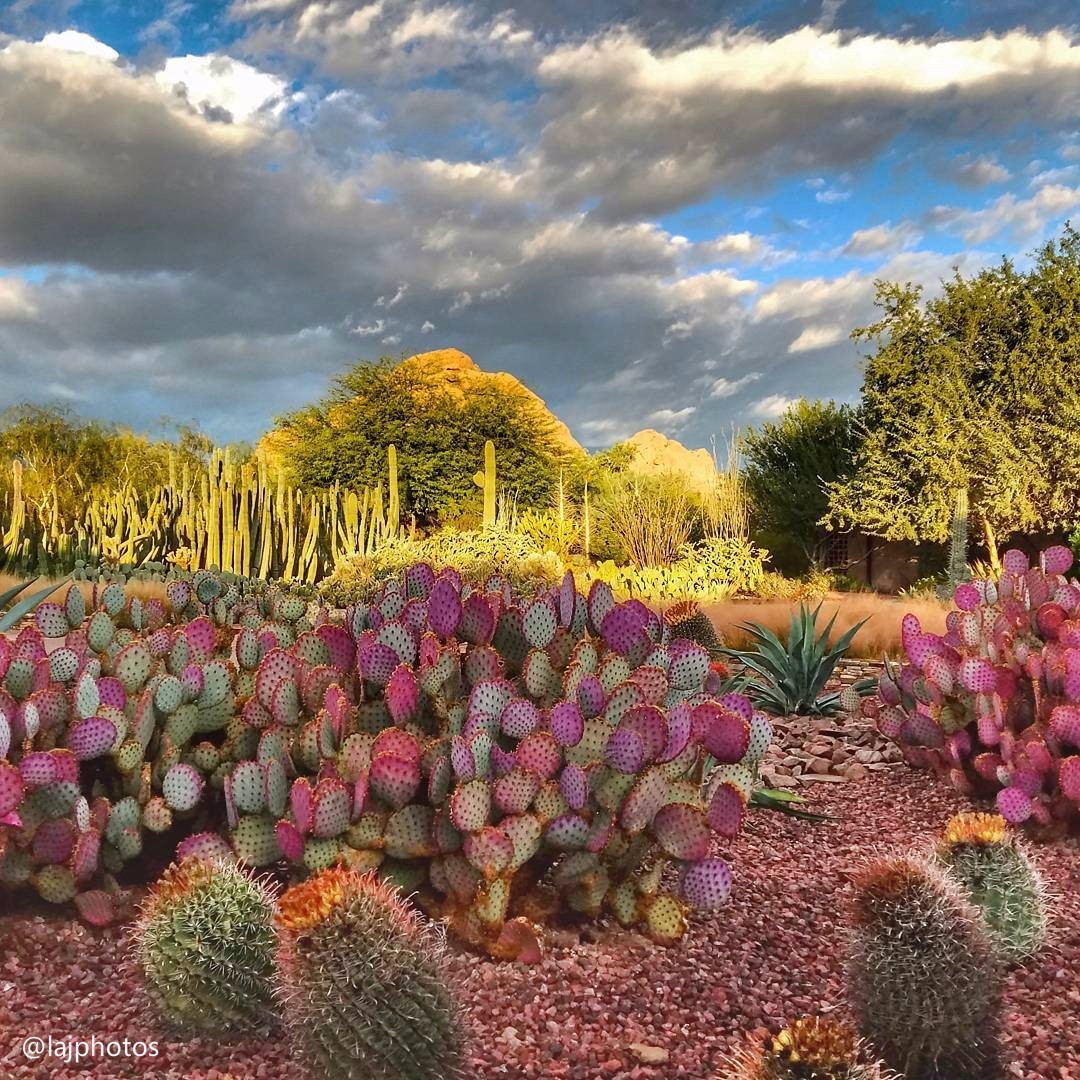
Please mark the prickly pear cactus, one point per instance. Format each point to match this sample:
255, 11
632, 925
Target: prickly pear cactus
994, 703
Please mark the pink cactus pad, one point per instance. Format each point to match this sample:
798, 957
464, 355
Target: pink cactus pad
394, 779
519, 718
402, 694
1049, 619
200, 638
574, 785
1056, 559
1013, 805
204, 845
681, 831
726, 810
514, 792
625, 751
1069, 778
478, 621
977, 675
182, 786
331, 808
567, 599
91, 738
540, 754
54, 841
623, 631
1065, 725
679, 727
648, 723
725, 734
11, 787
567, 723
590, 696
966, 597
96, 908
706, 884
444, 608
38, 769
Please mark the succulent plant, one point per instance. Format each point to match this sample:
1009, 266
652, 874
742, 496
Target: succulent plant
790, 678
685, 619
922, 973
990, 864
994, 703
361, 982
809, 1049
205, 939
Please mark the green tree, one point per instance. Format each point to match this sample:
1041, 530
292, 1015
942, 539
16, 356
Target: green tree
789, 465
976, 390
439, 435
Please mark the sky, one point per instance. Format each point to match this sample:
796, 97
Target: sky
665, 215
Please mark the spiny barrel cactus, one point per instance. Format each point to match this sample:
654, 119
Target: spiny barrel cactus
809, 1049
922, 976
361, 982
205, 938
994, 702
685, 619
993, 869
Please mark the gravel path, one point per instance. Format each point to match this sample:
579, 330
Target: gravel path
610, 1004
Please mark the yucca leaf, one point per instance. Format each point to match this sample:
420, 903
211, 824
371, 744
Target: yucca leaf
12, 617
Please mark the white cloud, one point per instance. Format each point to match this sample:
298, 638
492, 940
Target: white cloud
74, 41
723, 388
769, 408
817, 337
218, 82
832, 195
1015, 218
978, 172
881, 239
673, 418
15, 299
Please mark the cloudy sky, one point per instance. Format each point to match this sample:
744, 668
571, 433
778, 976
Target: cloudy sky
665, 215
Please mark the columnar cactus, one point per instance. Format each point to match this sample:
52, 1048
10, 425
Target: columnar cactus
995, 872
205, 938
361, 982
809, 1049
994, 703
922, 975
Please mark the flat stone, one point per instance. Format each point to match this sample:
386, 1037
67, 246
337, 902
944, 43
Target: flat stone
649, 1055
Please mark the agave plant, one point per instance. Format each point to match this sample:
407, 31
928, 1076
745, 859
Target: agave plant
790, 678
11, 617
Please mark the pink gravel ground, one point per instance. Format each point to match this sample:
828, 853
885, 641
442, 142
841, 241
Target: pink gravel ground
607, 1004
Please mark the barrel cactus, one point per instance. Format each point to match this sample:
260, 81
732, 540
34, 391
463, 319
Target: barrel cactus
205, 938
922, 974
992, 867
685, 619
361, 982
809, 1049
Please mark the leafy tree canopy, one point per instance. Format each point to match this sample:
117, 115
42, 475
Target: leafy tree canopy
978, 389
789, 465
66, 458
439, 434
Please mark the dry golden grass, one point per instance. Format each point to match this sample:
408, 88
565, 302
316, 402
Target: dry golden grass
142, 589
881, 635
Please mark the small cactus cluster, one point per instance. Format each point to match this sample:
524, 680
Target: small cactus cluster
504, 756
809, 1049
992, 868
205, 939
923, 979
994, 703
361, 982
